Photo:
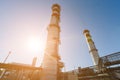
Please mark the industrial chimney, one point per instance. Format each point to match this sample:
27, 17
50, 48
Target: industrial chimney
51, 64
92, 49
34, 61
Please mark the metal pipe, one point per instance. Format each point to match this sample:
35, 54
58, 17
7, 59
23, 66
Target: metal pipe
7, 57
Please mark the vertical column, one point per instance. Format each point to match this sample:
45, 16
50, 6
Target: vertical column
34, 61
51, 55
92, 49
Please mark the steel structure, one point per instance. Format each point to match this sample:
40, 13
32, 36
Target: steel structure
112, 59
19, 72
109, 69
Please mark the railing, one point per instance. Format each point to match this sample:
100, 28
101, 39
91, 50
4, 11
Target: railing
111, 59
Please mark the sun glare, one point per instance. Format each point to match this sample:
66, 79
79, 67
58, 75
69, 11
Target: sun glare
35, 44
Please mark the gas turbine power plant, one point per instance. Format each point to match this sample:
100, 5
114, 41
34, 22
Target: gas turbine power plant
104, 68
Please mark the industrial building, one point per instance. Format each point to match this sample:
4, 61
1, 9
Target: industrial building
104, 68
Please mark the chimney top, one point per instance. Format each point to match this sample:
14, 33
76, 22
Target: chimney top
86, 30
56, 5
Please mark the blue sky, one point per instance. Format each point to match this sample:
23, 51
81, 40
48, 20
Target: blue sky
21, 19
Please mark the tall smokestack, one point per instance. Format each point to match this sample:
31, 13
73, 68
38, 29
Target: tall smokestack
52, 58
34, 61
92, 49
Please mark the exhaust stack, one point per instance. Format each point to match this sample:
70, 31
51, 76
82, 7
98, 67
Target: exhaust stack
92, 49
34, 61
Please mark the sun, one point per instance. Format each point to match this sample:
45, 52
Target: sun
35, 44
